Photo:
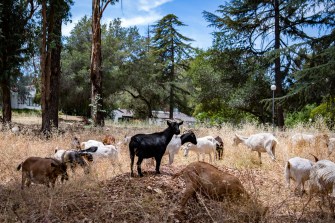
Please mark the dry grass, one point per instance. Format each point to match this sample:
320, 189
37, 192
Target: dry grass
108, 194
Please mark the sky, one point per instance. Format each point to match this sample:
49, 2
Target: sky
142, 13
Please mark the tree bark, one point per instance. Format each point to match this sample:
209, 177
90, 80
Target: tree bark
96, 71
278, 74
6, 101
50, 65
172, 76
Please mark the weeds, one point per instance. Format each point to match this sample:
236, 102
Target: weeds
108, 194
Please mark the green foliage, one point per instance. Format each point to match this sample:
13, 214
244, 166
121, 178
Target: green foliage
316, 81
27, 112
14, 26
173, 51
249, 56
75, 82
325, 110
303, 116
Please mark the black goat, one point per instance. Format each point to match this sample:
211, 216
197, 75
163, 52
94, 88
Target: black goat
219, 148
151, 145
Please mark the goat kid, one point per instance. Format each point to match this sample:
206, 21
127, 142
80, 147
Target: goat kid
205, 145
74, 158
219, 148
177, 141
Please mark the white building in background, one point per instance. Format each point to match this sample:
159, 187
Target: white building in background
122, 115
26, 102
159, 117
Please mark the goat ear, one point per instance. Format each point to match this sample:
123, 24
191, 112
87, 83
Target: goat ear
180, 123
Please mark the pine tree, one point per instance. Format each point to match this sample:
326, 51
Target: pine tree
172, 50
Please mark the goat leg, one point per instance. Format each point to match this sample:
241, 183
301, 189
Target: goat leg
139, 170
158, 163
132, 157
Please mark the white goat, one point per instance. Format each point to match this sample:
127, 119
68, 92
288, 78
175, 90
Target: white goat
298, 169
261, 142
176, 142
99, 150
302, 139
90, 143
322, 178
205, 145
331, 146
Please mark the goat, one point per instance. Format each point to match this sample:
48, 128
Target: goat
219, 148
261, 142
103, 151
151, 145
205, 145
91, 143
302, 139
322, 178
331, 145
208, 180
176, 142
298, 169
75, 143
108, 140
42, 171
74, 158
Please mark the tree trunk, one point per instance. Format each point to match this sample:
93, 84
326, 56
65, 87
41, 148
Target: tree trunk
6, 102
171, 84
96, 71
278, 74
50, 65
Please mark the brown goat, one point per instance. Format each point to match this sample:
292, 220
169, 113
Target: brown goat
214, 184
108, 140
42, 171
209, 181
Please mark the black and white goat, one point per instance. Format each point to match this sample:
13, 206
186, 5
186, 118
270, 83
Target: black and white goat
74, 158
177, 141
151, 145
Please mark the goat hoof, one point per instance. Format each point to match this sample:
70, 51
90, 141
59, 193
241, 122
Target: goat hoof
140, 174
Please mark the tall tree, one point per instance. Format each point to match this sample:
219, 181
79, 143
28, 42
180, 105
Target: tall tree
98, 8
75, 85
14, 25
260, 27
172, 50
53, 13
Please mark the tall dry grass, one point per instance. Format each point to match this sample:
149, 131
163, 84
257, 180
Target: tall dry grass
108, 194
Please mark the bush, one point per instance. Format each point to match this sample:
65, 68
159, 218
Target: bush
302, 116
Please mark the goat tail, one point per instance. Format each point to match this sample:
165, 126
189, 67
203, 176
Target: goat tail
288, 165
19, 167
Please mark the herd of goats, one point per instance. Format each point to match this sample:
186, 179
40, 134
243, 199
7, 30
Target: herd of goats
198, 176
